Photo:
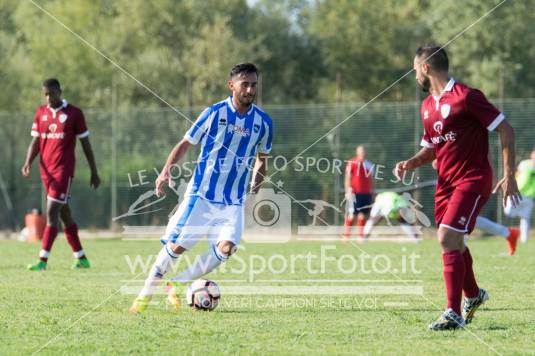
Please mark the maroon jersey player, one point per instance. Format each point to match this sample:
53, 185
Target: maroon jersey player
56, 126
456, 121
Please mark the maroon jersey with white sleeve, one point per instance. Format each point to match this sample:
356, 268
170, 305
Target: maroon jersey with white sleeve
456, 126
58, 130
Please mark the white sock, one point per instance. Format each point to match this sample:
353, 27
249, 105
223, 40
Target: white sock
368, 227
203, 265
79, 254
163, 264
409, 230
524, 229
491, 227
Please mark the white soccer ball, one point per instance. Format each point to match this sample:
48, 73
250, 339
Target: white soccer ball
203, 295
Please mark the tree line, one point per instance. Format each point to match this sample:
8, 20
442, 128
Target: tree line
308, 51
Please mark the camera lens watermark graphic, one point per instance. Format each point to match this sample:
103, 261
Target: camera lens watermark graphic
269, 220
266, 213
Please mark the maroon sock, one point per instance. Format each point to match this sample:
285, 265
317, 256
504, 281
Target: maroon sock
454, 271
71, 234
49, 236
470, 287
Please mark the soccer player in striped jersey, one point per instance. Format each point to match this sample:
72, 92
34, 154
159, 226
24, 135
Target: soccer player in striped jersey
235, 137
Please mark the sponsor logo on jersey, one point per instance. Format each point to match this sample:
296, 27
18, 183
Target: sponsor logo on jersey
450, 136
53, 134
437, 126
238, 130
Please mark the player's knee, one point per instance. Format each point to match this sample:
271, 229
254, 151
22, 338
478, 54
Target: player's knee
52, 214
226, 248
66, 219
176, 248
450, 240
442, 237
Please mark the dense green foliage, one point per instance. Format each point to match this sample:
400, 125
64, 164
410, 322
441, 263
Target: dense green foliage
182, 49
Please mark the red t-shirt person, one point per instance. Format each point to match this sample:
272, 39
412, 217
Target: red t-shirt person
359, 179
361, 175
58, 130
456, 126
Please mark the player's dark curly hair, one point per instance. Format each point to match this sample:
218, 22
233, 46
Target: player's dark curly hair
52, 83
243, 68
435, 56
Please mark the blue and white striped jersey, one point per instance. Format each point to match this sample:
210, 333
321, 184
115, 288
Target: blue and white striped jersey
229, 143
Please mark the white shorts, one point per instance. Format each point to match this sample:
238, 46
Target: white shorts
196, 218
521, 211
381, 209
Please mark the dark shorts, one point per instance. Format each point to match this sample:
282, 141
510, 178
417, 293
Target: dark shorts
459, 210
362, 203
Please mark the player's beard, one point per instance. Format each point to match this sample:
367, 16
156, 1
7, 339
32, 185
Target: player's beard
246, 101
426, 84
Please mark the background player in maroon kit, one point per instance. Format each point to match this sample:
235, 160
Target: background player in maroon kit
358, 189
55, 128
456, 122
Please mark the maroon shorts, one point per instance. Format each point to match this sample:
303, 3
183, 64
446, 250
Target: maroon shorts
58, 188
459, 210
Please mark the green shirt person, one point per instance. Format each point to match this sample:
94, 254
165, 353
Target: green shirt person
525, 176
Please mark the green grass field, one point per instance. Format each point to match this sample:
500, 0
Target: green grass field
85, 312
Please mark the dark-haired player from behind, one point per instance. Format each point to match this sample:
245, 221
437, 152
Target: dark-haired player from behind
456, 122
56, 126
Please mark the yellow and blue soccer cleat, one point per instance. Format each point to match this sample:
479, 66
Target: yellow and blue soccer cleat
173, 300
140, 304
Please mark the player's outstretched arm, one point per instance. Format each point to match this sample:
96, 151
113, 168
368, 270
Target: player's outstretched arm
508, 182
88, 151
176, 154
33, 151
259, 172
425, 155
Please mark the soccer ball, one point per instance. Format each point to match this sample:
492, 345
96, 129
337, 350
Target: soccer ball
203, 295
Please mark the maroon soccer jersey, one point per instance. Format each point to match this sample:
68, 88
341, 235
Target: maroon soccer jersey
456, 125
57, 130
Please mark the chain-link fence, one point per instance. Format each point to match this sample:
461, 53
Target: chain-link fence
131, 147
